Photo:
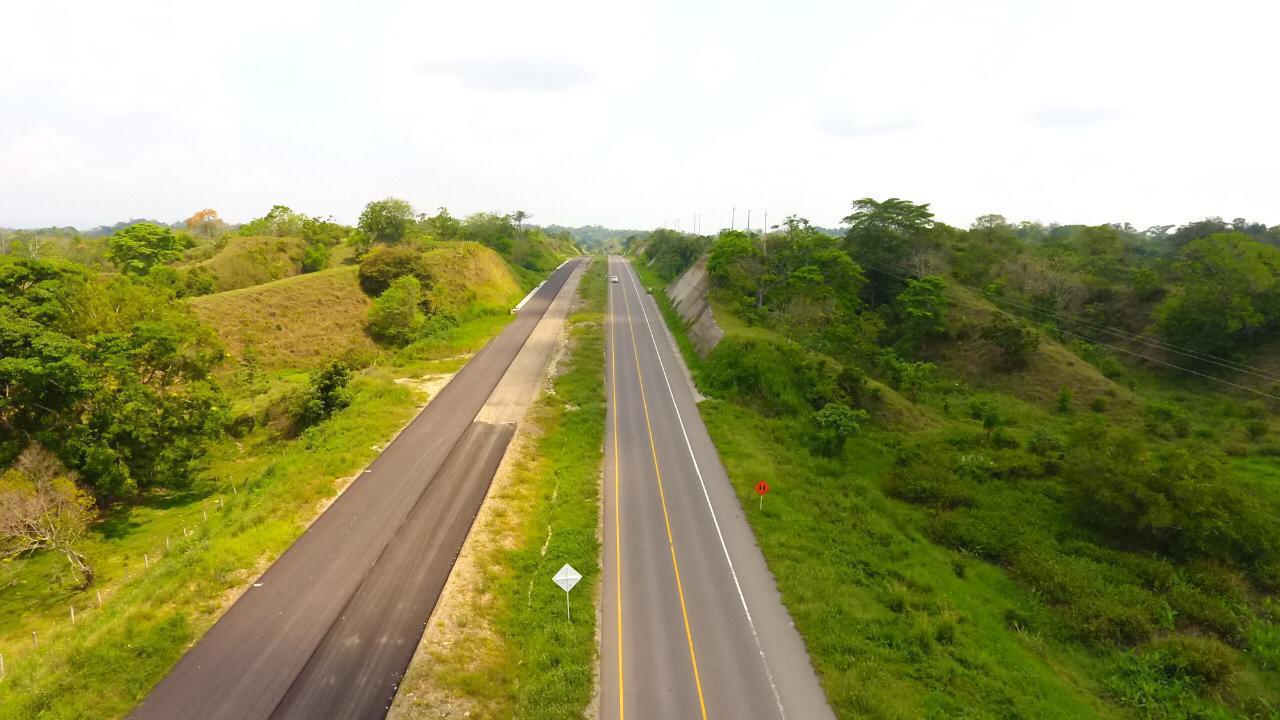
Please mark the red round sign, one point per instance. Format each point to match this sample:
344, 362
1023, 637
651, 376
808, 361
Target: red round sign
762, 487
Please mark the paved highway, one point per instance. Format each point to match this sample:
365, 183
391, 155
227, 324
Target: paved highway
693, 624
328, 630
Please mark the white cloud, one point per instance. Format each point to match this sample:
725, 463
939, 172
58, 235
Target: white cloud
631, 114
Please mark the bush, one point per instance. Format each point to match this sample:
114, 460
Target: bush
1176, 501
326, 394
1016, 341
1203, 660
395, 317
315, 257
834, 424
385, 264
773, 378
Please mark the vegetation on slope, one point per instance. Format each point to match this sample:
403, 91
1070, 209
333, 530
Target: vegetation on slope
1076, 536
247, 261
204, 464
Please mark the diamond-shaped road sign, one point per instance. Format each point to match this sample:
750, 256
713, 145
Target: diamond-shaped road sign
567, 577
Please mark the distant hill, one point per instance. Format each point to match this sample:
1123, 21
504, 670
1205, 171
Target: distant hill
248, 261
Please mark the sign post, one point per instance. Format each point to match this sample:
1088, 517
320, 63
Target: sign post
762, 487
566, 578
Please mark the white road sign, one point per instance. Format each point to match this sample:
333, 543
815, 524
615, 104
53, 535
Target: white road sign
567, 577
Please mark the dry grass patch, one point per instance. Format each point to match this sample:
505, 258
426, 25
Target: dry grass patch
295, 322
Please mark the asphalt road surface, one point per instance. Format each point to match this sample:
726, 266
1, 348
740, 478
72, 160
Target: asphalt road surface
328, 630
693, 624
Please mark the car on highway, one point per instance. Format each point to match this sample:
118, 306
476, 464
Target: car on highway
613, 278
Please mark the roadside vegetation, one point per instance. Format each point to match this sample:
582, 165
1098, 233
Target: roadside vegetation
517, 655
1072, 520
161, 441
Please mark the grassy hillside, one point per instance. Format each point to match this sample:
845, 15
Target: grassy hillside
469, 277
951, 563
295, 322
248, 261
172, 560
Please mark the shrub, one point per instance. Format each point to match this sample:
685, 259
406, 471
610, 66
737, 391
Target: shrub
1255, 429
315, 257
1177, 501
773, 378
1016, 341
395, 317
1045, 443
1099, 404
387, 263
1063, 404
1203, 660
326, 394
834, 424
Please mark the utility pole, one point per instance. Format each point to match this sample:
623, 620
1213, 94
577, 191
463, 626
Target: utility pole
733, 219
748, 219
764, 234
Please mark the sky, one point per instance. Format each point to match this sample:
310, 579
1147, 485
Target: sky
640, 115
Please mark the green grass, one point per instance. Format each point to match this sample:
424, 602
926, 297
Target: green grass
535, 664
897, 627
107, 663
1002, 605
248, 261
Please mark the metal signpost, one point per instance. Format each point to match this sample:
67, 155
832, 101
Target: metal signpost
762, 487
566, 578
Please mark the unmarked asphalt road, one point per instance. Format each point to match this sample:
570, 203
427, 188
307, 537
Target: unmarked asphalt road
328, 630
693, 623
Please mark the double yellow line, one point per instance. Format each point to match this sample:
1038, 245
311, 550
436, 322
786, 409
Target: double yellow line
657, 469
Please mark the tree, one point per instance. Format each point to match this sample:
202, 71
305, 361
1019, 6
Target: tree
520, 216
1230, 295
206, 224
442, 225
1016, 341
885, 236
395, 316
382, 266
671, 252
110, 374
387, 220
834, 424
42, 508
921, 311
734, 262
280, 221
495, 231
138, 248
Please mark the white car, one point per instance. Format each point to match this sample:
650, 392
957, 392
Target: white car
613, 278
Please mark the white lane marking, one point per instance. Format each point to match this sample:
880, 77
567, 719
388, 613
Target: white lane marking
635, 287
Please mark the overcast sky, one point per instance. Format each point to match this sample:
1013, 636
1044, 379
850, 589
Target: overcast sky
633, 114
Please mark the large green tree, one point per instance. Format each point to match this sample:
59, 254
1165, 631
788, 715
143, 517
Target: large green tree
111, 375
387, 220
138, 248
890, 238
1229, 296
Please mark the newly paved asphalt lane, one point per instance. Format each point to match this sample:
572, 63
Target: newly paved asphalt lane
693, 623
327, 631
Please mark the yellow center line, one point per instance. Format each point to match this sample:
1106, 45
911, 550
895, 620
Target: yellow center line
617, 498
657, 470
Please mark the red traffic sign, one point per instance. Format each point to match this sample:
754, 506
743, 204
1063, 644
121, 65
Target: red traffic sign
762, 487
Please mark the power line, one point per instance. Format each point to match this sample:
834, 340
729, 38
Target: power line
1120, 349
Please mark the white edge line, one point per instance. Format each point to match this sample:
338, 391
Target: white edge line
754, 634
